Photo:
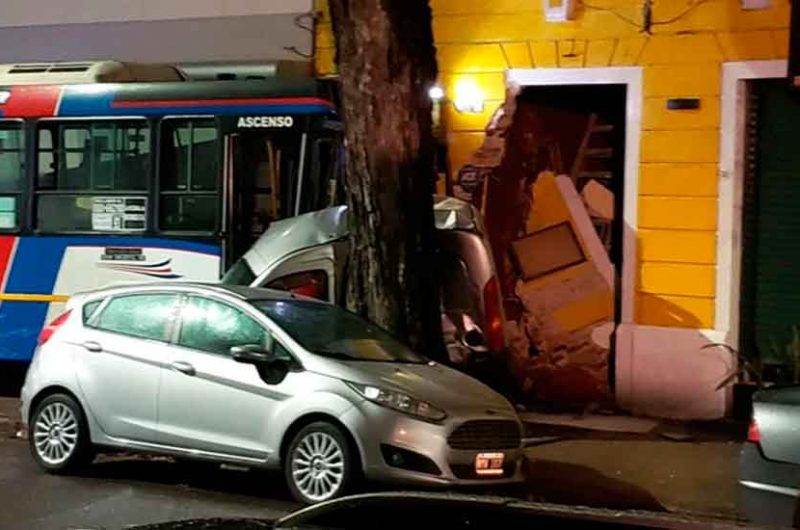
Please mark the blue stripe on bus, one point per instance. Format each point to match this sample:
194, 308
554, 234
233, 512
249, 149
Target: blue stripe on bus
34, 271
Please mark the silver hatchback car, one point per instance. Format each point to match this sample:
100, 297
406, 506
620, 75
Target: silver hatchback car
259, 378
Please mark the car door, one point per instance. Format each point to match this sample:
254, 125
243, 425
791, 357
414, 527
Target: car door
126, 343
208, 401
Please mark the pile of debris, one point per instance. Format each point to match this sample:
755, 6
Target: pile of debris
550, 244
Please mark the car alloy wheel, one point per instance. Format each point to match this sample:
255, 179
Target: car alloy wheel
318, 463
55, 434
59, 438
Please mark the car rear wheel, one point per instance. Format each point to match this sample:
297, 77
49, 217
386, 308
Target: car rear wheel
59, 436
319, 464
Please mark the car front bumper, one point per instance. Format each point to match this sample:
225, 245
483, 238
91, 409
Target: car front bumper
379, 431
768, 490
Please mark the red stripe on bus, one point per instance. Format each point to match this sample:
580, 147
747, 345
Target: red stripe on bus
30, 101
230, 101
6, 250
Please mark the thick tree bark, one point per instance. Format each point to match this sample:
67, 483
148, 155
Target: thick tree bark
386, 63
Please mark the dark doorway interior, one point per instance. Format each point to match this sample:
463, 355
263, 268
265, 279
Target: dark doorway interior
557, 117
577, 131
263, 186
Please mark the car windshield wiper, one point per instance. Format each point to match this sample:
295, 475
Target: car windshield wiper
333, 354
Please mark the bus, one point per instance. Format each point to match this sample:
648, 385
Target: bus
110, 182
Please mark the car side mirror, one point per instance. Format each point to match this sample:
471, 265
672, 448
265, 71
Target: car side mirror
251, 354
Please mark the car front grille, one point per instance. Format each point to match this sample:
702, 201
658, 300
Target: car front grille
486, 435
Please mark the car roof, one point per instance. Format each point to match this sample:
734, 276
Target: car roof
239, 291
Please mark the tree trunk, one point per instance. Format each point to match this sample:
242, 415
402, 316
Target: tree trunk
386, 63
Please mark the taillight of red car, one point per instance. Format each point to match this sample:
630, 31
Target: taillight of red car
753, 435
495, 335
49, 329
313, 284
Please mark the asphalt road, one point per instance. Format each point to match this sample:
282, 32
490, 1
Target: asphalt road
129, 490
605, 470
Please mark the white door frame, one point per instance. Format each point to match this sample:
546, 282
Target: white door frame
731, 184
631, 77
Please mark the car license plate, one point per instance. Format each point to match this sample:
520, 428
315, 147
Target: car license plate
489, 464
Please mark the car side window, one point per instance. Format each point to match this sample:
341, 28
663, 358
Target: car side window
216, 327
142, 315
89, 308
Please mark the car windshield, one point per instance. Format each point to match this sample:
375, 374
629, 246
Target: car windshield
330, 331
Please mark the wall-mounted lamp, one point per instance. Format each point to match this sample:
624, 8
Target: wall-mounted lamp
559, 10
436, 93
468, 97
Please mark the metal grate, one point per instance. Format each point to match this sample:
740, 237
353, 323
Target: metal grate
77, 67
486, 435
38, 68
28, 69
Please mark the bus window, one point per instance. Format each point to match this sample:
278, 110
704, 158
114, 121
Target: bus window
101, 155
12, 172
92, 176
189, 195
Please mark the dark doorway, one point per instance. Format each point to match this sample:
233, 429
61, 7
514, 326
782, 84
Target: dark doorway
560, 119
264, 175
559, 272
275, 175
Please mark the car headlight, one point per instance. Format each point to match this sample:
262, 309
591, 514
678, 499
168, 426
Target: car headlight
399, 402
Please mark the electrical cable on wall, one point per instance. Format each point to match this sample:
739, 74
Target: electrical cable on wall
298, 21
686, 11
614, 12
647, 14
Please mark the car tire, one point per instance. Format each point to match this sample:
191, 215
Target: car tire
320, 464
59, 435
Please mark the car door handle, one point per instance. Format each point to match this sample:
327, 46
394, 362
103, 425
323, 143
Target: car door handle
92, 346
183, 367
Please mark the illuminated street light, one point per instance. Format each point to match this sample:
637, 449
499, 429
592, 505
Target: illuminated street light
436, 93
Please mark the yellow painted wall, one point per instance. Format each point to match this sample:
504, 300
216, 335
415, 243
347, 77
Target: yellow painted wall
480, 39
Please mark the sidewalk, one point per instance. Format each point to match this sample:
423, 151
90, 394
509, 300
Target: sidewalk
9, 417
632, 463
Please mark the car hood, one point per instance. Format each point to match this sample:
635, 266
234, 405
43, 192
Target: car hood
437, 384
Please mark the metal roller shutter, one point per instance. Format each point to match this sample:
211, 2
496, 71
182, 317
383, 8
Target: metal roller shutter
771, 219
